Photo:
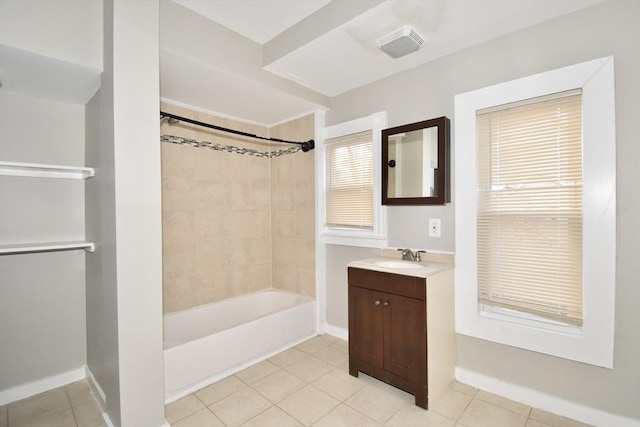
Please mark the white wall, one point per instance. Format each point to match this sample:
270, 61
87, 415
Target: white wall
42, 309
70, 30
136, 136
124, 280
608, 28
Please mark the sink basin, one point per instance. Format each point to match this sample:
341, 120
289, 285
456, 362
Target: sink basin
399, 264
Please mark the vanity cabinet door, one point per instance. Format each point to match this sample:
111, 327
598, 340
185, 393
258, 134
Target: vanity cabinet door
405, 339
366, 326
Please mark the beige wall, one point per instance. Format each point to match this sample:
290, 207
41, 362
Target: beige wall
293, 211
217, 213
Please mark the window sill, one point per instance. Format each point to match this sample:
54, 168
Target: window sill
358, 239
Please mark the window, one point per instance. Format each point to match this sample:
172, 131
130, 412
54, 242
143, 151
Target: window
349, 181
529, 217
352, 213
507, 203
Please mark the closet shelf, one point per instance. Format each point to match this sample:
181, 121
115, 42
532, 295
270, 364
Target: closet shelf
46, 247
45, 171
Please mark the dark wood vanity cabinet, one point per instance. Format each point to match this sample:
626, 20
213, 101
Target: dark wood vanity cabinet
388, 330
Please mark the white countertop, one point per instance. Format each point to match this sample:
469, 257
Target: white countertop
422, 269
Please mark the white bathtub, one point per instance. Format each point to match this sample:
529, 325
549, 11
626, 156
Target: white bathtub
209, 342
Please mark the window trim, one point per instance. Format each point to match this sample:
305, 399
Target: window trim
377, 237
593, 342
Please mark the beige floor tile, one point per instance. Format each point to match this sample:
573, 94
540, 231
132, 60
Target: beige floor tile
88, 415
240, 407
554, 420
344, 367
278, 385
257, 372
220, 390
272, 417
313, 345
182, 408
309, 369
386, 387
39, 406
62, 418
287, 357
308, 405
332, 339
534, 423
4, 422
376, 403
483, 414
452, 404
464, 388
334, 355
202, 418
79, 393
413, 416
339, 384
345, 416
517, 407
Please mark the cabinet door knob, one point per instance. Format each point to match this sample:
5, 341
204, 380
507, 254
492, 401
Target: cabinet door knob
385, 304
376, 302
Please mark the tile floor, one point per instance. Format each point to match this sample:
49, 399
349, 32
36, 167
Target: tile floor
307, 385
70, 406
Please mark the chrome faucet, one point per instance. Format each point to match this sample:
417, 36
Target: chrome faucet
409, 255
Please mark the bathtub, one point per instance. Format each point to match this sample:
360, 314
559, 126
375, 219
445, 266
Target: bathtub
206, 343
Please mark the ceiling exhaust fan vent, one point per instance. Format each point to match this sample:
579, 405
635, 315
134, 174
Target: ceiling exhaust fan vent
400, 42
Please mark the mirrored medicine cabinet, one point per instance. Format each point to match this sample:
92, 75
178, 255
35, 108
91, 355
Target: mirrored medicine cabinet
415, 163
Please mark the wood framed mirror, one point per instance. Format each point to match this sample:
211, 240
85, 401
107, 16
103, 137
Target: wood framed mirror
415, 163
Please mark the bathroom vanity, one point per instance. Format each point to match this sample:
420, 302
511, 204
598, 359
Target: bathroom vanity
401, 325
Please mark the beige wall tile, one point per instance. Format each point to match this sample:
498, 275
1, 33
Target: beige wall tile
222, 210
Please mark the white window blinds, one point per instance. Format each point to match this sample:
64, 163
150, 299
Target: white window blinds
349, 181
529, 220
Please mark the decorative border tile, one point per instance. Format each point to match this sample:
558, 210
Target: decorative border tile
228, 148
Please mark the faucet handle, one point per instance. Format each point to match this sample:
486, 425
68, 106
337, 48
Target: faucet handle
418, 258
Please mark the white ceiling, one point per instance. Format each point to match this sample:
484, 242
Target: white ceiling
333, 56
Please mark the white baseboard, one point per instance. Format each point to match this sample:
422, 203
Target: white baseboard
93, 383
543, 401
341, 333
32, 388
107, 420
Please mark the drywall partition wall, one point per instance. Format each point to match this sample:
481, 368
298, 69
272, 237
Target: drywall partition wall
125, 281
215, 212
138, 210
42, 310
293, 210
101, 290
428, 91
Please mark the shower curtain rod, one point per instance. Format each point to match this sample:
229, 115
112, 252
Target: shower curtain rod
304, 146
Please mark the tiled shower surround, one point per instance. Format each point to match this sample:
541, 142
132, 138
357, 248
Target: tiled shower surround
235, 220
